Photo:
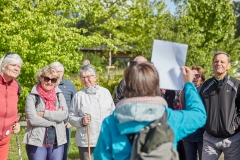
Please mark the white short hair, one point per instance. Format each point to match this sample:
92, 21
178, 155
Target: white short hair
10, 58
57, 64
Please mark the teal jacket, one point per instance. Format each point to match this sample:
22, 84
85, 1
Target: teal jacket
132, 114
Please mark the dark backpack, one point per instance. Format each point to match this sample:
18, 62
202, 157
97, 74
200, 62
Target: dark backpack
154, 142
37, 98
19, 88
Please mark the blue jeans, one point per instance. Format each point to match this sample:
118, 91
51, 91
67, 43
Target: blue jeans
67, 145
45, 152
192, 149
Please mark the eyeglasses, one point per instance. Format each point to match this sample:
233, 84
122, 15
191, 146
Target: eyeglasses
59, 71
86, 77
47, 79
197, 76
7, 54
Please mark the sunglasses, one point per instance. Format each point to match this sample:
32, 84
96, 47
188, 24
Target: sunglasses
7, 54
47, 79
197, 76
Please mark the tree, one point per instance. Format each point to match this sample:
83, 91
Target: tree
38, 31
42, 31
131, 23
236, 8
206, 26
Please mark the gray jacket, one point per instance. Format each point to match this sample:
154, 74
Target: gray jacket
36, 125
99, 104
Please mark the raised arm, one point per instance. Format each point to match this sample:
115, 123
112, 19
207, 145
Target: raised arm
187, 121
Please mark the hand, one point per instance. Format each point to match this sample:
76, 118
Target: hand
60, 109
187, 74
41, 114
16, 127
163, 91
68, 125
86, 119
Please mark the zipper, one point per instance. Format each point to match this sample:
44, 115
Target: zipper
6, 95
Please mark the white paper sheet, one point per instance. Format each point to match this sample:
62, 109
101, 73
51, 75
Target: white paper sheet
168, 57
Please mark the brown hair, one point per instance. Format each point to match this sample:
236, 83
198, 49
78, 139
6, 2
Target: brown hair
200, 71
142, 79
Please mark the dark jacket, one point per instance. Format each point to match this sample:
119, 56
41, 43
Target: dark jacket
119, 92
169, 96
68, 90
222, 102
195, 136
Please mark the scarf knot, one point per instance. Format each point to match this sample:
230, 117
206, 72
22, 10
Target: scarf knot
48, 97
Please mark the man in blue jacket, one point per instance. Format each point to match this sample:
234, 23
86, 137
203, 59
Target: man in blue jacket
68, 90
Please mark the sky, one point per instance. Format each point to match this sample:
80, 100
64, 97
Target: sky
170, 5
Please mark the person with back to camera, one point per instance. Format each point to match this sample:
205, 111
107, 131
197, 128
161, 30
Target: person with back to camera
46, 110
221, 97
119, 91
68, 89
10, 66
142, 106
89, 107
193, 143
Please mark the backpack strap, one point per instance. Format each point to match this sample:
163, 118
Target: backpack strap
162, 120
37, 99
19, 88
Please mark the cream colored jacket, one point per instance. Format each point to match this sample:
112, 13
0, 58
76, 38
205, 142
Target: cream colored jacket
99, 104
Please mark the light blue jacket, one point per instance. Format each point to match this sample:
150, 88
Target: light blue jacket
132, 114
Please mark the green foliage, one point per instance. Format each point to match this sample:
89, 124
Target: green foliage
236, 8
45, 31
39, 34
130, 23
95, 59
13, 150
109, 84
206, 26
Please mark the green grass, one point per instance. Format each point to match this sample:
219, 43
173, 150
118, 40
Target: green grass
13, 150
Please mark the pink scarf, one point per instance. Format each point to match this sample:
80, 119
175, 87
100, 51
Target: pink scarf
48, 97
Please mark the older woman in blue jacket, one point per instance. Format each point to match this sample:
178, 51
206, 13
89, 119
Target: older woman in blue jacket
142, 106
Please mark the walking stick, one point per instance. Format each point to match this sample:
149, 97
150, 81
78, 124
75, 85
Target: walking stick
88, 135
18, 144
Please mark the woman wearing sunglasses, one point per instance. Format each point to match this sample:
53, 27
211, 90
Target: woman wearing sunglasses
10, 66
193, 143
46, 109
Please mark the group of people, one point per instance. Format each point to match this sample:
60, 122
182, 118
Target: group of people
206, 119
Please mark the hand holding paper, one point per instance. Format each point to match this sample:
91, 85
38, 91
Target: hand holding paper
187, 74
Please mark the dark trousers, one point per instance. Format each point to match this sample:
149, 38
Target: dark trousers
193, 150
83, 152
67, 145
181, 151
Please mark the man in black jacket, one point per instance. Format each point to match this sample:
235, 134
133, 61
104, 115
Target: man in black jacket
221, 97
